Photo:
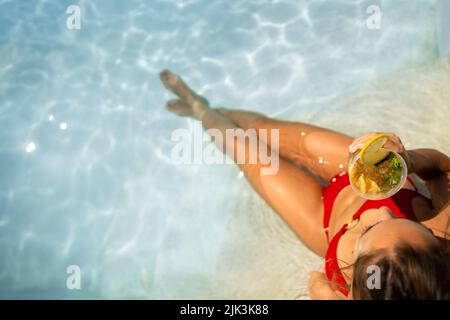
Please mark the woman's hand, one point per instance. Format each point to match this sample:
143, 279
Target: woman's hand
319, 287
394, 143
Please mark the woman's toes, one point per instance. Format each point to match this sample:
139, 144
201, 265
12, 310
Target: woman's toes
165, 74
169, 79
179, 107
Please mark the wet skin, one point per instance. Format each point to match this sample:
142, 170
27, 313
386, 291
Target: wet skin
310, 155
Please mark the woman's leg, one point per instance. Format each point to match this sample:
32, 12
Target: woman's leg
324, 152
291, 192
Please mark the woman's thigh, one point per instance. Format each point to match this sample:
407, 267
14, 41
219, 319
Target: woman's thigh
296, 197
322, 151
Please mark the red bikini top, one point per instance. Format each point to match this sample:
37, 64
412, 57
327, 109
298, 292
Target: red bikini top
400, 204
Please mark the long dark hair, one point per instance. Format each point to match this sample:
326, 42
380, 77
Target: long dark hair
406, 272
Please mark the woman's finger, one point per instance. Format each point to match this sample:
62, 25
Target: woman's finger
394, 143
358, 143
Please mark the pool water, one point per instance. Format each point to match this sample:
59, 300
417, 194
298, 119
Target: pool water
86, 176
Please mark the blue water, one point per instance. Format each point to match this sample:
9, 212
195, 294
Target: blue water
86, 176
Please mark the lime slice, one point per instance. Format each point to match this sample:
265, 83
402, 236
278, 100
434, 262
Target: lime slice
371, 152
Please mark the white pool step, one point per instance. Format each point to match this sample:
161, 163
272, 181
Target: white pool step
443, 27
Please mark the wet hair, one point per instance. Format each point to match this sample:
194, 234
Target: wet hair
406, 272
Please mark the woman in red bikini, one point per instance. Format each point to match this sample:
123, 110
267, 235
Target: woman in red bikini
395, 248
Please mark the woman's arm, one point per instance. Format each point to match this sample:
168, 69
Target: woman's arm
427, 163
434, 167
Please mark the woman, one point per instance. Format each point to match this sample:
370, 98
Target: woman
402, 239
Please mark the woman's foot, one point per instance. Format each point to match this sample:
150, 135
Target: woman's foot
190, 104
180, 108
